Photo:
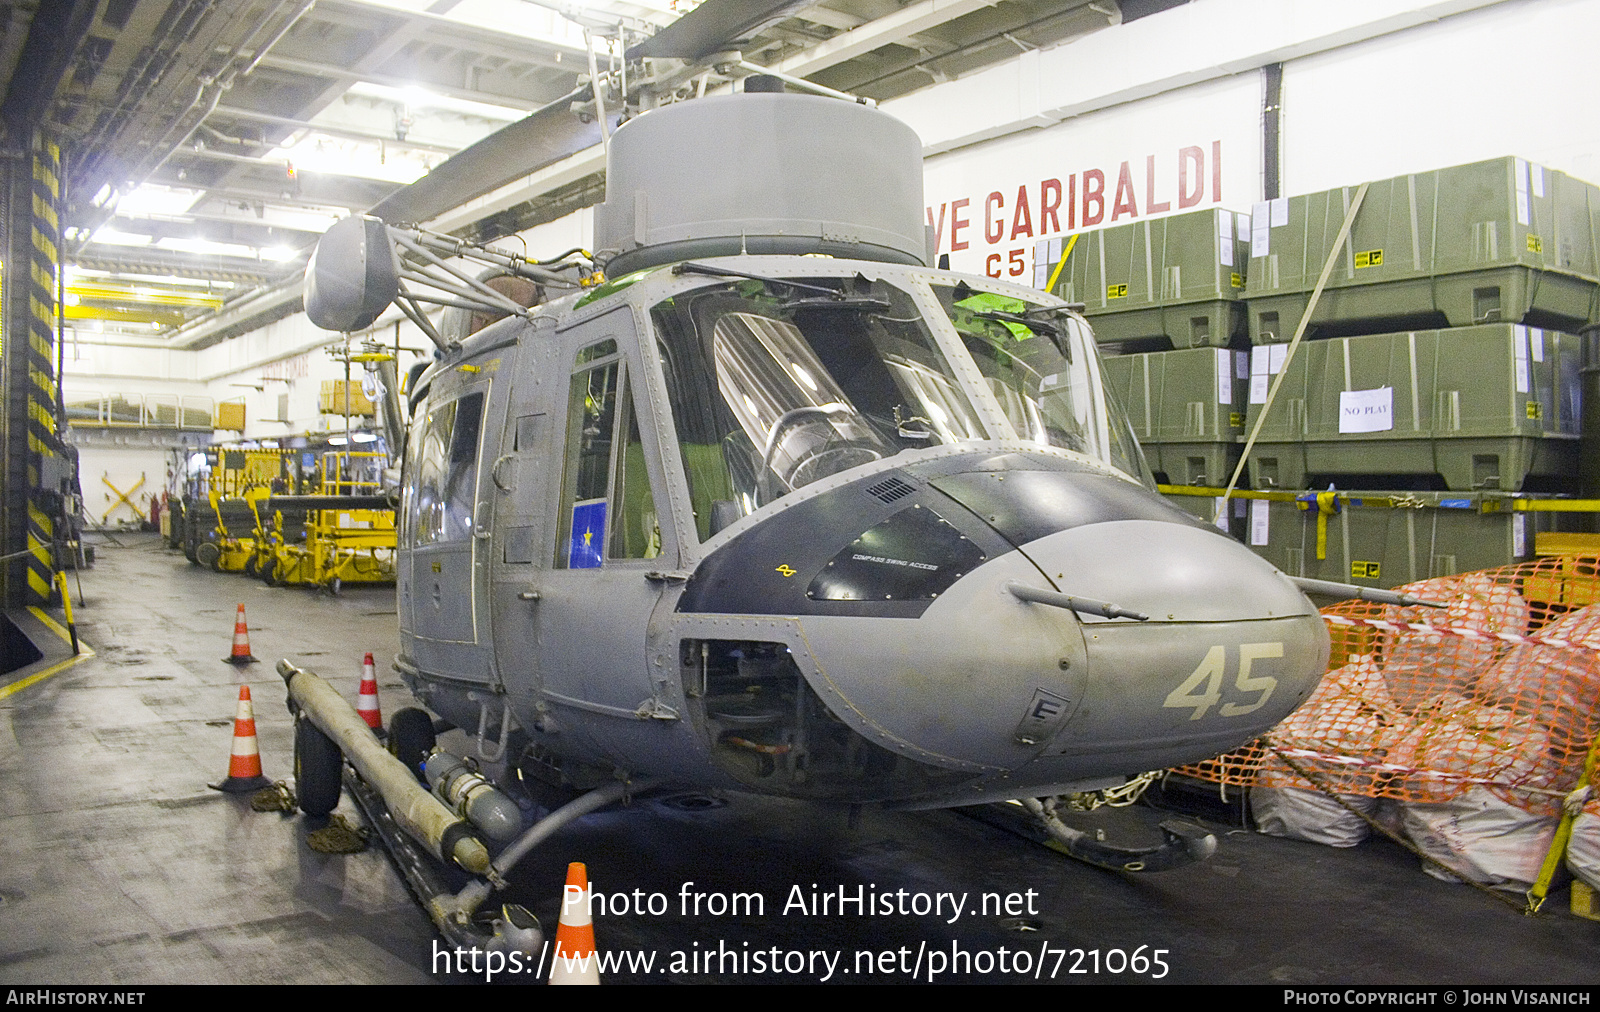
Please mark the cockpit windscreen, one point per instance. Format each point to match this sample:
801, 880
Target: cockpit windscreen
806, 384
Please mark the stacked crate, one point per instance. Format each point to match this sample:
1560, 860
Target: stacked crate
1164, 299
1439, 367
1154, 285
1494, 406
1386, 539
1501, 241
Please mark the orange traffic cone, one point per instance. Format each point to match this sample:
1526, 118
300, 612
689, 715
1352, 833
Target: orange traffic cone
574, 959
241, 642
244, 765
367, 700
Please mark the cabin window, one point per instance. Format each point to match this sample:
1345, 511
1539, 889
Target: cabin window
775, 385
444, 451
608, 510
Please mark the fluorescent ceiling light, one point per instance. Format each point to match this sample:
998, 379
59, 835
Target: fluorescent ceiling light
81, 273
150, 199
206, 247
318, 152
112, 237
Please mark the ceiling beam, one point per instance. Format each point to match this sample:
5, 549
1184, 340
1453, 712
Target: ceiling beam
234, 112
896, 27
348, 76
458, 35
57, 31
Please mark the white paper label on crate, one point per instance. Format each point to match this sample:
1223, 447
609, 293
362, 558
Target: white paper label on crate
1536, 343
1241, 365
1260, 234
1520, 173
1055, 250
1258, 374
1277, 354
1280, 212
1519, 535
1239, 506
1219, 512
1519, 350
1243, 226
1224, 376
1366, 410
1536, 173
1258, 521
1225, 237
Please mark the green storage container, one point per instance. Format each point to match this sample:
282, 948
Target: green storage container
1206, 507
1504, 240
1482, 407
1157, 284
1187, 409
1385, 539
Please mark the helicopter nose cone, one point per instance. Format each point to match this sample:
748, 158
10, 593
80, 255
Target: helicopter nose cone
1229, 649
987, 681
1170, 572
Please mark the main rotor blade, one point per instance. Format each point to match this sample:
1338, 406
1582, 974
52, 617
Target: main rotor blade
544, 137
714, 26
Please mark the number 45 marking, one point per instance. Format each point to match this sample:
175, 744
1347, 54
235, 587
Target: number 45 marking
1210, 673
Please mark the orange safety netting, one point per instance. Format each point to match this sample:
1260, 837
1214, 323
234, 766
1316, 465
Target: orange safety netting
1499, 690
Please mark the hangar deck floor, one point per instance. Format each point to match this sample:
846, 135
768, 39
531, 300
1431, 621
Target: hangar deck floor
118, 865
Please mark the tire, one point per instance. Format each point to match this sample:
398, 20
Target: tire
335, 585
250, 566
411, 738
208, 554
318, 769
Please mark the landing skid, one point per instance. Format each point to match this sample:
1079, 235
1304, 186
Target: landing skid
1183, 843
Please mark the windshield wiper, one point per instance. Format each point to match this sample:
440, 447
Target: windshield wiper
858, 303
689, 267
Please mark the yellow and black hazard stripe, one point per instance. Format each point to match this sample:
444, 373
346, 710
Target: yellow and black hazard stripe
43, 442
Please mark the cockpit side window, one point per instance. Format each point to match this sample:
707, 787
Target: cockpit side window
1039, 363
444, 452
774, 386
608, 510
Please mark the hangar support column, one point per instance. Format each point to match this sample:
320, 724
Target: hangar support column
35, 464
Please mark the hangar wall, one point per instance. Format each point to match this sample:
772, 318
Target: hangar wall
1162, 115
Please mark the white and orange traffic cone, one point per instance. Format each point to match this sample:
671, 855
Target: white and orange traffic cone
244, 764
241, 642
367, 699
574, 959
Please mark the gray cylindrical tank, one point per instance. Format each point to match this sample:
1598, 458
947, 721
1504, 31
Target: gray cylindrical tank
762, 173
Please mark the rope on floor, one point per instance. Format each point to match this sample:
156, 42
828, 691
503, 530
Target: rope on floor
277, 798
337, 837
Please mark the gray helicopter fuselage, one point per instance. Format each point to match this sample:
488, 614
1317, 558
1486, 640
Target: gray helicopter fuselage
594, 582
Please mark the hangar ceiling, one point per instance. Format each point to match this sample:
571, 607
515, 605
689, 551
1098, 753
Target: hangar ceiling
207, 143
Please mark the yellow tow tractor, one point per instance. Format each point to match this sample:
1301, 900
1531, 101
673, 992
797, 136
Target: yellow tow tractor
234, 549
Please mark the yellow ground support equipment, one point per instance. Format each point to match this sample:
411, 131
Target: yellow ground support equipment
349, 529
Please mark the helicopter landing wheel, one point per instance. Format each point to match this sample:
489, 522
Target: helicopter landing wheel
318, 769
411, 738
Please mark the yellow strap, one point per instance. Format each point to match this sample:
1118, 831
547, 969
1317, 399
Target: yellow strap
1558, 844
1051, 284
1326, 503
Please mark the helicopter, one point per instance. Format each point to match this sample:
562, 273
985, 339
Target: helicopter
771, 504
